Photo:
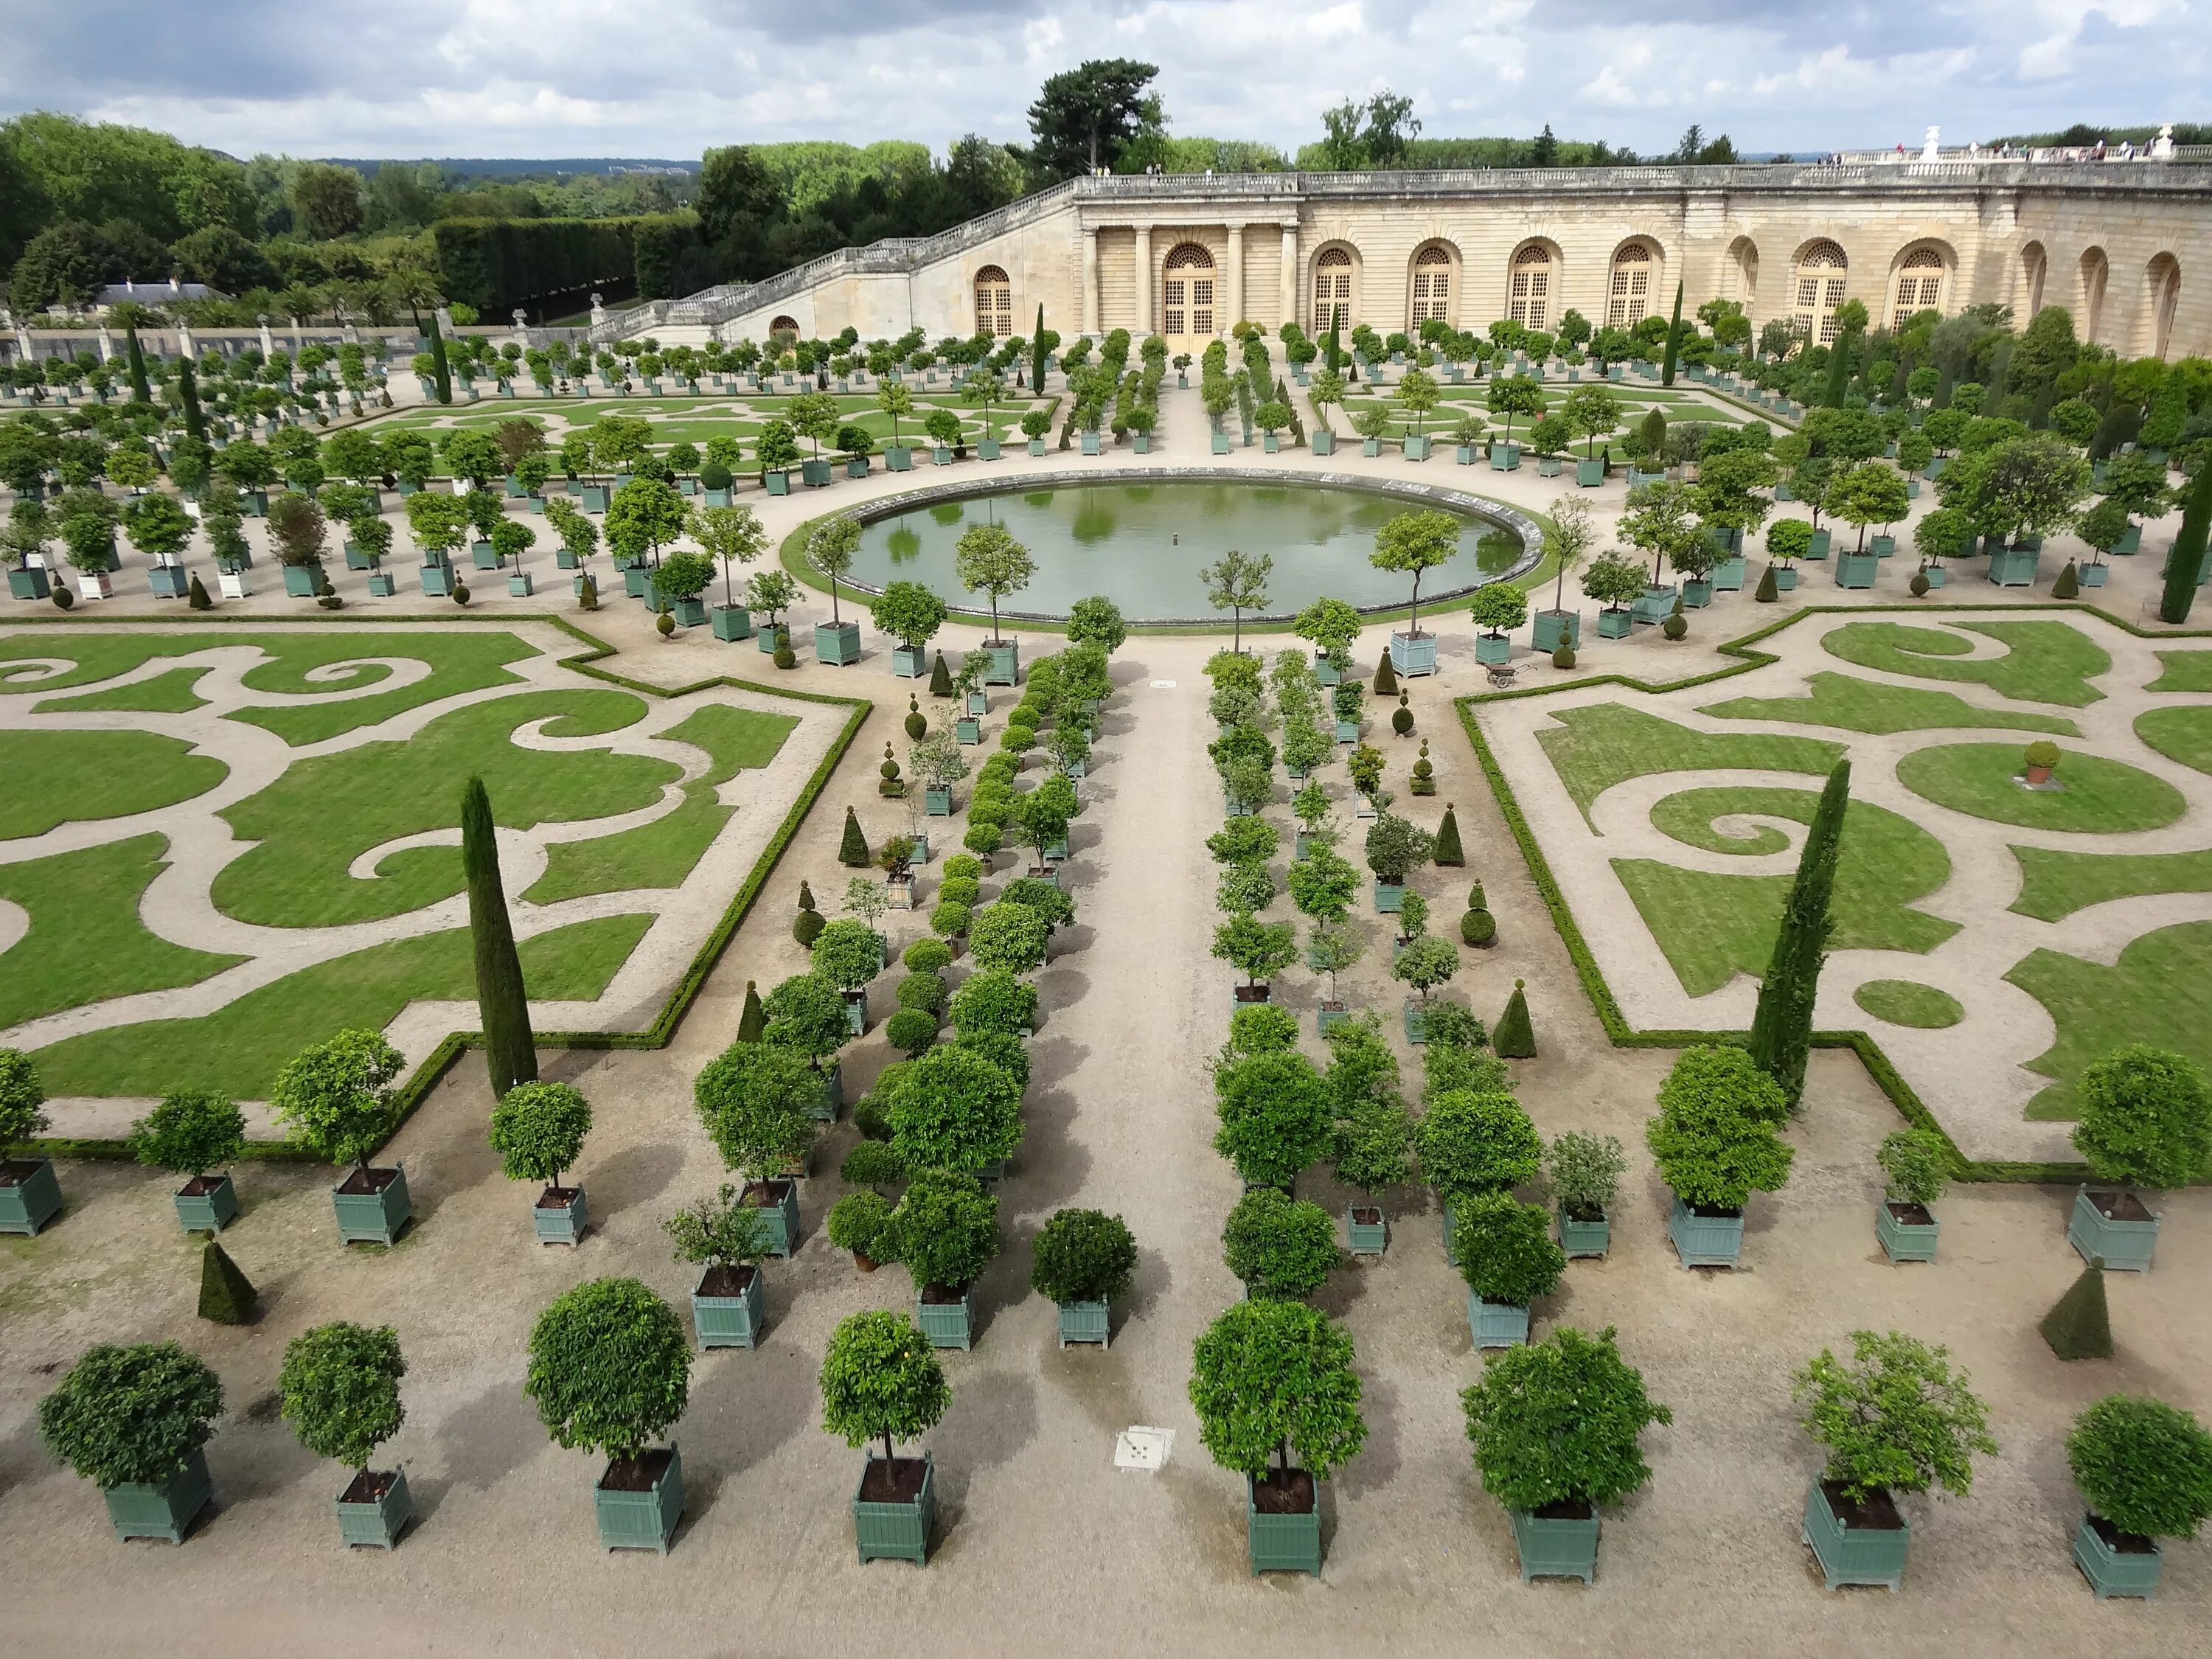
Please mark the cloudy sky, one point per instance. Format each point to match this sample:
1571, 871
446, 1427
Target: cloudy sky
668, 78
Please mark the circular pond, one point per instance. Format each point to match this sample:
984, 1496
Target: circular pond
1143, 543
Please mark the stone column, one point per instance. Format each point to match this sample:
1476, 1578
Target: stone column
1090, 279
1144, 281
1229, 307
106, 344
1287, 297
185, 349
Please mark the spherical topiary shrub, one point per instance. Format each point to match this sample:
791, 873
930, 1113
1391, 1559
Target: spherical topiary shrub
961, 889
949, 920
785, 656
872, 1163
1563, 657
1478, 927
856, 1223
1083, 1255
609, 1368
923, 991
911, 1030
131, 1416
2144, 1466
927, 956
961, 863
807, 927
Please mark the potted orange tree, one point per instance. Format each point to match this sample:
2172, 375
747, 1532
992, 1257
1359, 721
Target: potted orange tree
336, 1096
190, 1133
881, 1380
1715, 1142
757, 1102
1084, 1261
2146, 1122
339, 1389
136, 1422
538, 1130
945, 1232
2145, 1469
727, 1239
30, 1197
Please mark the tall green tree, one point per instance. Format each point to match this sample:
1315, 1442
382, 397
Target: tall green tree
2185, 563
1083, 117
1674, 340
510, 1050
443, 369
1782, 1026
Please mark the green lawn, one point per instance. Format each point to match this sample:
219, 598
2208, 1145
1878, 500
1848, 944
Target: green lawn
1597, 747
2100, 796
2183, 734
85, 943
61, 777
2186, 671
2147, 996
325, 811
2055, 884
661, 853
1852, 704
1712, 927
175, 692
2043, 661
1908, 1002
240, 1049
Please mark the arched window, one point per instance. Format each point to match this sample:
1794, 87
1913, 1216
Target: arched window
994, 302
2034, 266
1187, 291
1432, 282
1742, 272
2096, 269
784, 326
1529, 298
1919, 286
1630, 295
2163, 279
1819, 290
1334, 276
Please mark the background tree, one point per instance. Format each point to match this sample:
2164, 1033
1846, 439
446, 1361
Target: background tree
131, 1416
1236, 583
1896, 1417
1085, 117
1415, 542
1559, 1421
1275, 1111
2146, 1119
538, 1130
987, 559
1279, 1246
336, 1096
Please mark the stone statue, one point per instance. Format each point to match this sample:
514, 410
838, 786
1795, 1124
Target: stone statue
1928, 150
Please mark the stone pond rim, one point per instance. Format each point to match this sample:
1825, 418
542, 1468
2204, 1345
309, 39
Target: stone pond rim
1409, 495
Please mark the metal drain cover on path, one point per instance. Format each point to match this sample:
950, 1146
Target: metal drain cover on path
1143, 1450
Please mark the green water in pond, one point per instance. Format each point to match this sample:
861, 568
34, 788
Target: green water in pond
1143, 546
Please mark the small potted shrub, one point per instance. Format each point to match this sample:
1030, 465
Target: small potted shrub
847, 954
1273, 1380
1584, 1172
757, 1101
1555, 1426
1425, 963
190, 1133
1715, 1142
1508, 1257
136, 1422
859, 1222
944, 1232
2041, 756
1473, 1141
1083, 1260
336, 1096
2146, 1122
537, 1129
1395, 848
2145, 1470
1275, 1112
1896, 1419
339, 1389
30, 1197
881, 1380
1279, 1246
807, 1017
610, 1370
1917, 1164
727, 1239
1374, 1142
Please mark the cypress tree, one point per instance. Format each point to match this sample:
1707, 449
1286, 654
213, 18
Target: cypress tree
753, 1022
1782, 1027
1515, 1038
226, 1295
1386, 676
1840, 369
852, 850
196, 596
188, 399
941, 679
141, 389
1447, 847
1674, 340
1037, 354
2185, 563
440, 369
2079, 1325
510, 1051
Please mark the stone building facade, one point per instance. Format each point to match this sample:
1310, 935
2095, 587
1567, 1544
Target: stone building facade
1188, 256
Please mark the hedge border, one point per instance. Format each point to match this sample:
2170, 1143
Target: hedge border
441, 1059
1901, 1094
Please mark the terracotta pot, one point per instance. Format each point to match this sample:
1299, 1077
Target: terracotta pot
2038, 775
866, 1264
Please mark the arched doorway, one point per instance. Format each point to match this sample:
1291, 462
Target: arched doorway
1186, 296
2163, 279
1336, 288
1822, 270
2034, 266
994, 303
1919, 286
1432, 287
2096, 271
1529, 293
1635, 277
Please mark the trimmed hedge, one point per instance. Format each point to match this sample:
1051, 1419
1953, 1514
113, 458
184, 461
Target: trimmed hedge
495, 264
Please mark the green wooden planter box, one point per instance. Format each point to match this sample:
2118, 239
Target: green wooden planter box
718, 497
777, 482
595, 498
837, 644
1727, 574
355, 558
968, 730
2013, 567
1905, 1241
1327, 1019
166, 1510
483, 556
1584, 1237
936, 801
1554, 629
1556, 1546
377, 1522
2130, 541
1818, 547
642, 1519
1854, 1555
210, 1211
1324, 442
690, 613
773, 635
897, 1531
521, 584
1705, 1240
635, 579
562, 1223
1451, 1246
988, 448
1505, 458
2093, 575
1590, 473
1856, 569
1366, 1237
1347, 730
1493, 648
1036, 448
814, 474
2116, 1572
437, 580
31, 1200
731, 621
2124, 1246
910, 662
1495, 1324
382, 585
1785, 579
1005, 667
1388, 896
1087, 1322
1697, 593
1283, 1543
373, 1217
1413, 653
782, 1214
899, 458
1547, 466
856, 1011
730, 1322
1417, 447
1882, 547
948, 1324
301, 580
29, 584
1615, 624
1416, 1018
832, 1098
1654, 604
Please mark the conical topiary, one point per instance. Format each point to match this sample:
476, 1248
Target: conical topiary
226, 1295
1401, 718
2079, 1325
588, 595
2069, 586
197, 595
753, 1022
852, 850
1513, 1037
941, 679
1770, 590
1386, 677
917, 727
1448, 848
807, 897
